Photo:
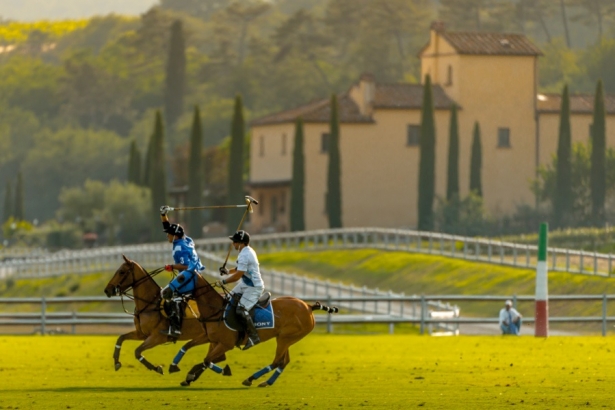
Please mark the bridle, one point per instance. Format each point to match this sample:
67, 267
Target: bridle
135, 283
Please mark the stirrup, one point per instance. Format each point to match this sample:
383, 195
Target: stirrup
250, 344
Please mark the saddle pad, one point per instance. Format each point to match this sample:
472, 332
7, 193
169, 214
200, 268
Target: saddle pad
263, 317
189, 312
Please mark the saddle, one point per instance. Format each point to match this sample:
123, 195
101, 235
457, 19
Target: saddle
230, 314
189, 309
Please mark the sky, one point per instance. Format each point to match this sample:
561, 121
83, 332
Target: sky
30, 10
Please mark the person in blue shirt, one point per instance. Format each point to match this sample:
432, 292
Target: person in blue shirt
187, 262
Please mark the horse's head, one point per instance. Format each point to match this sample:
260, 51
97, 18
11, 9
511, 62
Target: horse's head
123, 278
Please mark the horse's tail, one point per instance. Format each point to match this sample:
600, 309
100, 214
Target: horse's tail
318, 306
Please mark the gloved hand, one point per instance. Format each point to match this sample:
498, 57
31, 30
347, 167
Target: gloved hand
223, 271
164, 209
168, 267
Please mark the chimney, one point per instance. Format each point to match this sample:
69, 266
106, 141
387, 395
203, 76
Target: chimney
367, 85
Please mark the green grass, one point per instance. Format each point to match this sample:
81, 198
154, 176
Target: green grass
399, 271
326, 372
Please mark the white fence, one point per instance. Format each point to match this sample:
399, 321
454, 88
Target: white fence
44, 320
475, 249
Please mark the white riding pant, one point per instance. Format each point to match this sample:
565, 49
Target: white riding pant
250, 294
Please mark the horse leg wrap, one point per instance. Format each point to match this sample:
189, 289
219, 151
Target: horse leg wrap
215, 368
261, 372
179, 356
275, 375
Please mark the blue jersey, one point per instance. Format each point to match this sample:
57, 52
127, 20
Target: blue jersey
185, 254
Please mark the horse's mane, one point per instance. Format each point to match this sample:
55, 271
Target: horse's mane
148, 274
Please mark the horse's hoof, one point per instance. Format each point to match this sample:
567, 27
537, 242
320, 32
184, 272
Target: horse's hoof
226, 371
247, 382
190, 377
173, 368
264, 384
185, 383
159, 370
118, 365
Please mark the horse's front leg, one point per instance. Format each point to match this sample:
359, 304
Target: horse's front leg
151, 341
194, 342
216, 350
134, 335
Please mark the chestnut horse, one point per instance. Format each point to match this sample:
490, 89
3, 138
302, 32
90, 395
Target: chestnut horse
148, 317
294, 319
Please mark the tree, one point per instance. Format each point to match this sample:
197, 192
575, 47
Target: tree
427, 162
19, 209
562, 201
8, 202
594, 14
235, 166
158, 179
334, 188
598, 156
175, 75
195, 175
452, 187
297, 187
134, 165
476, 163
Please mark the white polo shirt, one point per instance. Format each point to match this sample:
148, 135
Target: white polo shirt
248, 263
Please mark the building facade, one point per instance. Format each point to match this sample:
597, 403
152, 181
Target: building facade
491, 77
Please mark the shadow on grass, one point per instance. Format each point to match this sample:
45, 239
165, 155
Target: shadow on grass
122, 389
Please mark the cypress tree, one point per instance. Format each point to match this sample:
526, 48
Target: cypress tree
476, 163
562, 200
134, 165
427, 160
598, 157
8, 202
19, 211
334, 189
175, 75
145, 176
157, 177
452, 182
195, 175
235, 166
297, 188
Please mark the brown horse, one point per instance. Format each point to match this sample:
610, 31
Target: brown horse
148, 317
294, 319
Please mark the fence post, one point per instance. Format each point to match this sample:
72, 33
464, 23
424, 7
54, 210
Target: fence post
43, 313
423, 312
329, 324
604, 314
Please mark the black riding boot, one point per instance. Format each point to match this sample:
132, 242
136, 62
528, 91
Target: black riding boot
174, 320
253, 338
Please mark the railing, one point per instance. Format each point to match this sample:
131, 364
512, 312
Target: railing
45, 319
474, 249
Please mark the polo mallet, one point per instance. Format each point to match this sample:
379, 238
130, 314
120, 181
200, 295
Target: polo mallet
191, 208
248, 205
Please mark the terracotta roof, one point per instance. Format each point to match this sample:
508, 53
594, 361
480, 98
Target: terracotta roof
477, 43
387, 96
317, 111
408, 96
579, 103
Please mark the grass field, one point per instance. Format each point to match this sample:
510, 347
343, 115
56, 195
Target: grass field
326, 372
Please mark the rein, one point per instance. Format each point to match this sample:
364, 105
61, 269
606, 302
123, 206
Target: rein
220, 311
134, 284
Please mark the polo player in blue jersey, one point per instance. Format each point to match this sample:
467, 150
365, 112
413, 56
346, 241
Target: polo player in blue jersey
187, 262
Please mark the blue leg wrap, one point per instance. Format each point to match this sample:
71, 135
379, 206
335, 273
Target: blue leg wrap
275, 375
179, 356
215, 368
261, 372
